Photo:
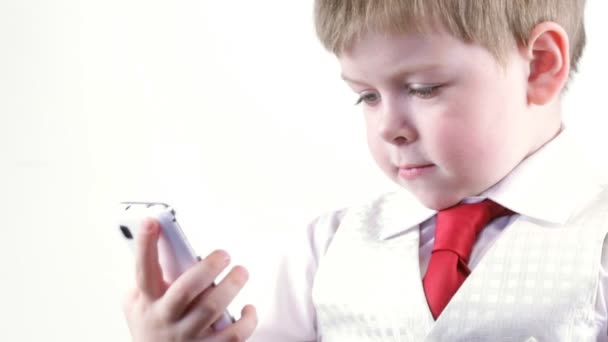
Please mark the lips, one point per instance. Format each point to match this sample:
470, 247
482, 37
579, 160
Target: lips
414, 166
413, 171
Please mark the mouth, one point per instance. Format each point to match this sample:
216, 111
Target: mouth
413, 171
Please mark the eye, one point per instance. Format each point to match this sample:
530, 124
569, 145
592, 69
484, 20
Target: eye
424, 92
370, 98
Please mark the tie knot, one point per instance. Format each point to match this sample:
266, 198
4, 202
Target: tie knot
457, 227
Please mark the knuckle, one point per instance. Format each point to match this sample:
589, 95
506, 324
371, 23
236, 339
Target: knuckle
129, 300
209, 308
180, 293
127, 304
234, 336
164, 314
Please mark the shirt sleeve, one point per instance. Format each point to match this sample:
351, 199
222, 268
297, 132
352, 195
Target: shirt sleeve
291, 317
601, 307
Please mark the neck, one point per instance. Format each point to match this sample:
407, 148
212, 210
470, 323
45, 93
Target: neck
548, 124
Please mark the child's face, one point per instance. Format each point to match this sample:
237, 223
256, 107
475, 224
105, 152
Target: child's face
444, 119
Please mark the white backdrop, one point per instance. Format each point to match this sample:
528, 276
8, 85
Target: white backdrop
231, 111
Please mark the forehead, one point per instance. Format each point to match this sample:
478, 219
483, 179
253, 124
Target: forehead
375, 50
386, 54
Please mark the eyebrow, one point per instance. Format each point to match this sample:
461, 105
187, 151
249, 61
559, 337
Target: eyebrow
399, 74
350, 80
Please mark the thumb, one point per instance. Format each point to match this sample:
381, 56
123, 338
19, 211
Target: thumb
147, 267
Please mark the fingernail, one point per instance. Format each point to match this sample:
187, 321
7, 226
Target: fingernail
242, 274
150, 226
224, 255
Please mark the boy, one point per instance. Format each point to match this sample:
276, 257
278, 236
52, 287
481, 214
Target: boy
498, 234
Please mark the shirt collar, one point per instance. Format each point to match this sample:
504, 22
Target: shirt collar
401, 212
550, 185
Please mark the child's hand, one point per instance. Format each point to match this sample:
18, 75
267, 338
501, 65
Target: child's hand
185, 310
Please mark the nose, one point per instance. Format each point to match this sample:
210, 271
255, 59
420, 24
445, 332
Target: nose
394, 122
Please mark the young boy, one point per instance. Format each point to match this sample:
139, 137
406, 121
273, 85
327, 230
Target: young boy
498, 233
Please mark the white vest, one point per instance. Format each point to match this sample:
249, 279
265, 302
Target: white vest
536, 283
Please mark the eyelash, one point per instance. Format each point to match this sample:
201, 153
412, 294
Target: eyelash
423, 93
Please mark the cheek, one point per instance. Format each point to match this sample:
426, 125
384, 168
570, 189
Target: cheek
473, 155
377, 149
466, 128
373, 144
463, 146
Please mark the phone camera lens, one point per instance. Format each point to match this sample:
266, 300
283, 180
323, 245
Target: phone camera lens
126, 232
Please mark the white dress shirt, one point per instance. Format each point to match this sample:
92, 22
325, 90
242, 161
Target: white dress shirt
550, 186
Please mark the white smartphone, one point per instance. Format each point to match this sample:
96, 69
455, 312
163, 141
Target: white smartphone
175, 254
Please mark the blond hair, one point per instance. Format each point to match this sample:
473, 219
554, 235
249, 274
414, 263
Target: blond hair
494, 24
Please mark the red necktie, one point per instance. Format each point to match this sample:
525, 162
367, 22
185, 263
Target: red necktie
456, 230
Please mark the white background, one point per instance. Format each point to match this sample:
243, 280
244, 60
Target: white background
231, 111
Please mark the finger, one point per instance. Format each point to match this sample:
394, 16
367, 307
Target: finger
181, 294
210, 306
241, 330
128, 300
147, 268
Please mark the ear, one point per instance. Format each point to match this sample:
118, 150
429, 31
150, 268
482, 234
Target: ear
548, 52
